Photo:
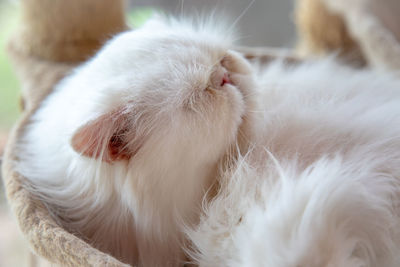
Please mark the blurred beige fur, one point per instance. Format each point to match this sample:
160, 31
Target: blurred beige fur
359, 31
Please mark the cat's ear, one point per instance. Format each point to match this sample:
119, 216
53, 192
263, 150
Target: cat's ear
110, 137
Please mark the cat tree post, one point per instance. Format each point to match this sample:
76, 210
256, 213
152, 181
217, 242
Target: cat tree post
54, 36
68, 31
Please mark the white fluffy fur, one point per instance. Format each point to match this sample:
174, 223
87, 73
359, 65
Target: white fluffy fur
321, 186
166, 76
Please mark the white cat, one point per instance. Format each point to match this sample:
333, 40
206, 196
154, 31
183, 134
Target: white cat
321, 186
124, 149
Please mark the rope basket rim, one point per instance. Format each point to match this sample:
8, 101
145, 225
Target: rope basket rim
44, 235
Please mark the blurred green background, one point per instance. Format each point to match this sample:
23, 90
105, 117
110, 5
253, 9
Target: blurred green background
9, 87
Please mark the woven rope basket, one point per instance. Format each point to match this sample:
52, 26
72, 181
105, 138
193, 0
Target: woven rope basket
45, 236
38, 76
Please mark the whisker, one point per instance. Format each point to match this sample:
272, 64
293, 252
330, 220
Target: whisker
244, 136
250, 94
241, 15
182, 4
256, 111
239, 38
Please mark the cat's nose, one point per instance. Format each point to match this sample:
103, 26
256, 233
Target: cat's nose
220, 77
226, 79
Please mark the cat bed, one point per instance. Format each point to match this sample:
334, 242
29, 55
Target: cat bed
361, 31
39, 73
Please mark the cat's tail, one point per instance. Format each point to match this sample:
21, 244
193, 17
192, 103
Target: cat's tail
334, 212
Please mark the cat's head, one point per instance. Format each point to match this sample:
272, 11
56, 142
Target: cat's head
166, 85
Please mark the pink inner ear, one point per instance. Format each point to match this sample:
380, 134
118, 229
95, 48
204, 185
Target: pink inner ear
104, 137
117, 147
